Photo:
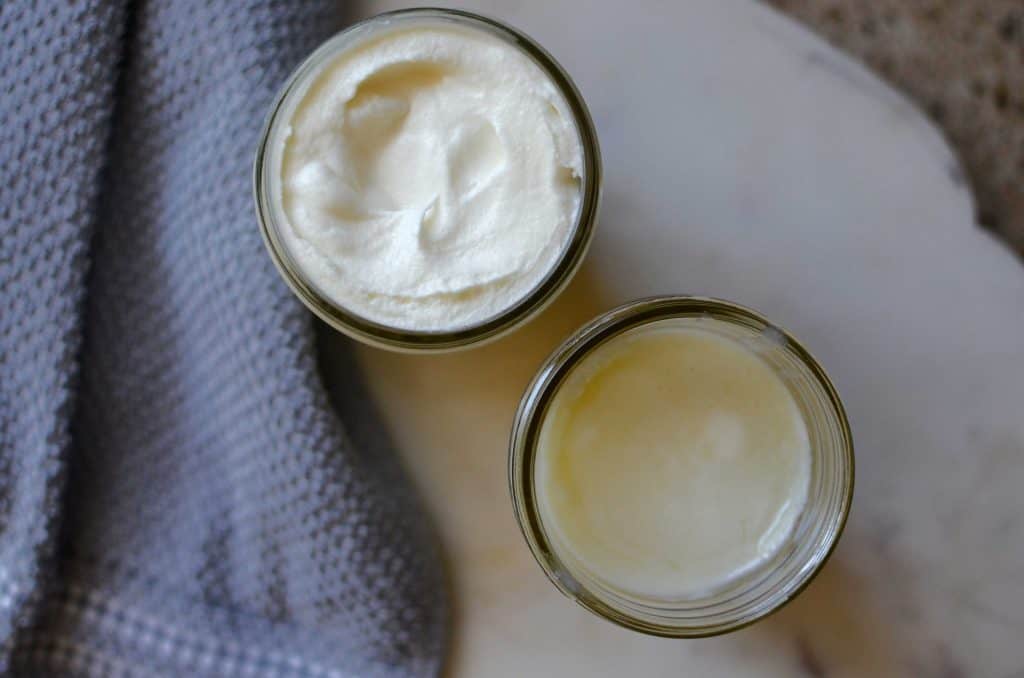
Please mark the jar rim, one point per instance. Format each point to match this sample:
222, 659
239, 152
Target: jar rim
531, 413
542, 294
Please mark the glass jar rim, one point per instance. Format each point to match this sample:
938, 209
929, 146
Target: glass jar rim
531, 413
542, 294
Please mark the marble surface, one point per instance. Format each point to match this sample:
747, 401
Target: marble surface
963, 61
746, 159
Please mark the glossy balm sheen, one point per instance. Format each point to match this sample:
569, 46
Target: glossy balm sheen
429, 176
672, 460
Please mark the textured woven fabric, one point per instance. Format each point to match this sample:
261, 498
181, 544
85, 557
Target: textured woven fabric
178, 493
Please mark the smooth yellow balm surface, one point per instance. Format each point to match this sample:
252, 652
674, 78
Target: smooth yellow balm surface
671, 461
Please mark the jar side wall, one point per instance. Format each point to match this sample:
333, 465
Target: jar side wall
519, 313
818, 528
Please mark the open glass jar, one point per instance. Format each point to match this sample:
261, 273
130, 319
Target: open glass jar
771, 583
271, 213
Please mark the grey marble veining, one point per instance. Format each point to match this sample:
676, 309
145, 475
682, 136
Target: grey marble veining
963, 61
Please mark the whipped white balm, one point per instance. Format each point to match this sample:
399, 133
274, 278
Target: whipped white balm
427, 176
672, 461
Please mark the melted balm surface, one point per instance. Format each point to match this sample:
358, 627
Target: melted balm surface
672, 461
429, 176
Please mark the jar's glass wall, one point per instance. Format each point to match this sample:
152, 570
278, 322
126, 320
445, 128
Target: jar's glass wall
764, 589
270, 213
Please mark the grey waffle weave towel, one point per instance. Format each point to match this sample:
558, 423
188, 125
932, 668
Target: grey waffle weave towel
179, 495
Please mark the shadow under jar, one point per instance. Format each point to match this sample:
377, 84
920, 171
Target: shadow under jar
289, 244
741, 597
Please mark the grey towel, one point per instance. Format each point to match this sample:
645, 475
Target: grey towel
178, 494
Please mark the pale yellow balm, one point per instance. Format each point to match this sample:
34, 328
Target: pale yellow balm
672, 461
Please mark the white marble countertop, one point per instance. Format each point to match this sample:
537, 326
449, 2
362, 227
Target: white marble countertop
745, 159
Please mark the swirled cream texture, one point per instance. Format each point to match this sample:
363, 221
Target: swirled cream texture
429, 176
672, 461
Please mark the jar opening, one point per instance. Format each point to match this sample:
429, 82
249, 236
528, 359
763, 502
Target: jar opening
533, 299
751, 594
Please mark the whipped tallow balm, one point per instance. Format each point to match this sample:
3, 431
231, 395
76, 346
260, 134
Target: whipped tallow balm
681, 466
672, 460
427, 172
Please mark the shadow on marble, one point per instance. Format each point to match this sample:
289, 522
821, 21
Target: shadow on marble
460, 407
833, 628
517, 356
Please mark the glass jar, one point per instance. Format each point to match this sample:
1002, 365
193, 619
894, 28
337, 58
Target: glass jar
270, 213
771, 584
